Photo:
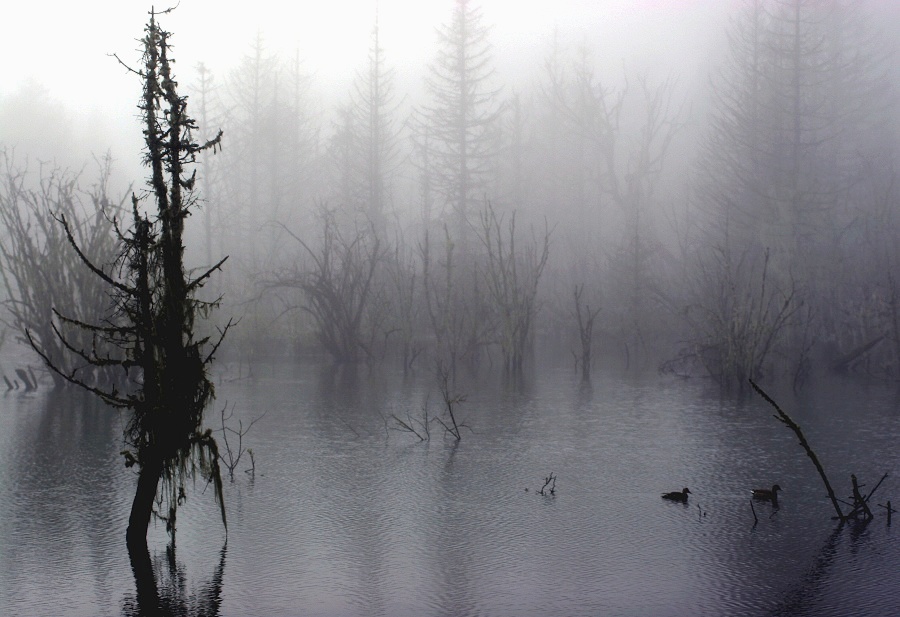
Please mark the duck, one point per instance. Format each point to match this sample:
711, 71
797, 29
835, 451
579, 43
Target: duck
681, 495
767, 494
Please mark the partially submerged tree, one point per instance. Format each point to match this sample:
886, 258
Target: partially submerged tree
38, 267
151, 334
585, 317
458, 309
738, 316
405, 311
338, 286
511, 278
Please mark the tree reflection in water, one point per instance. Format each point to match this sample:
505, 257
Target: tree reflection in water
162, 589
803, 598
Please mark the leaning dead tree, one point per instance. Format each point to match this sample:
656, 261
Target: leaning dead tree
150, 335
859, 506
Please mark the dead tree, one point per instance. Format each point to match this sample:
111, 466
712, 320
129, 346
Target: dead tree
626, 170
38, 267
405, 310
859, 502
585, 317
458, 310
339, 287
511, 279
740, 316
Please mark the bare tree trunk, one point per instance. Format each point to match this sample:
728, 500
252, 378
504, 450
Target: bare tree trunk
585, 331
142, 505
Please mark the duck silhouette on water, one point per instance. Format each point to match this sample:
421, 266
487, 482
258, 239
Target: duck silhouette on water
767, 494
679, 496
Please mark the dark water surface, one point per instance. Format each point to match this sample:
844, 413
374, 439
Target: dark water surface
344, 517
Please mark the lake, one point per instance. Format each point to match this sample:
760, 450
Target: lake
346, 516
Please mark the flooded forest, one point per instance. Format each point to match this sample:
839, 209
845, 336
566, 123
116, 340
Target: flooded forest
528, 244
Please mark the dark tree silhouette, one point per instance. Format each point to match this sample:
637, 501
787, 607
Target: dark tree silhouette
511, 279
151, 333
793, 107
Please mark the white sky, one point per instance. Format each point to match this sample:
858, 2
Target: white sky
65, 45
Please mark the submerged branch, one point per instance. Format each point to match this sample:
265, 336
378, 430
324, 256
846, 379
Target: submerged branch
782, 417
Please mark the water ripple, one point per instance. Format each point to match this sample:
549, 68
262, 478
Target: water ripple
345, 518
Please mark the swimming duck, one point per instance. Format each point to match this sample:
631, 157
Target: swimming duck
681, 495
767, 494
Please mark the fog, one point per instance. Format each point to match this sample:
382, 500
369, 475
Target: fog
66, 63
676, 192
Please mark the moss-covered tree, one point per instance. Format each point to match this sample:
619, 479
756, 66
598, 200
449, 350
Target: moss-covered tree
153, 336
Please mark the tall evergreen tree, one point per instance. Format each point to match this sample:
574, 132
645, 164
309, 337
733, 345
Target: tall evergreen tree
373, 105
461, 117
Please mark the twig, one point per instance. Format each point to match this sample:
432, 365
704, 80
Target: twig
877, 484
409, 426
859, 502
889, 509
232, 460
348, 425
551, 481
252, 470
449, 401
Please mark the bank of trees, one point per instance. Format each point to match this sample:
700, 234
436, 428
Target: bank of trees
789, 180
374, 226
784, 180
448, 274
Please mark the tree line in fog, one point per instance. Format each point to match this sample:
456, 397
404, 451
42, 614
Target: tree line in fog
592, 213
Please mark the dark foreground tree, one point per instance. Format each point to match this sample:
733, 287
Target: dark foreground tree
151, 334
